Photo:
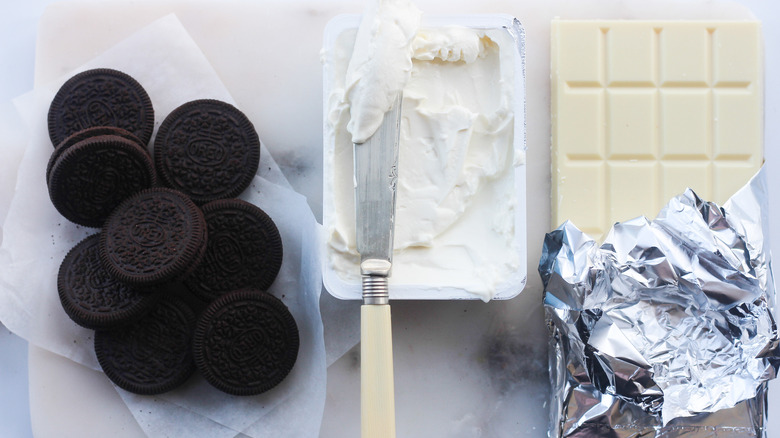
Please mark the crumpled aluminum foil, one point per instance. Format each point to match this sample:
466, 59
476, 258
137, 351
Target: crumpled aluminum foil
666, 329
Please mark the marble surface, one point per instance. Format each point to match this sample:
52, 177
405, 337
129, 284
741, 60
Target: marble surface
462, 368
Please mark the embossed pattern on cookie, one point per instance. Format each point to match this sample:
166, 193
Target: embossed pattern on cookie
88, 180
244, 250
207, 149
154, 237
245, 342
153, 355
101, 97
91, 297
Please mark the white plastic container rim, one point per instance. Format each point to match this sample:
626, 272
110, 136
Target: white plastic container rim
509, 287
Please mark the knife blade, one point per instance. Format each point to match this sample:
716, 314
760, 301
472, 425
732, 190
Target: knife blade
376, 175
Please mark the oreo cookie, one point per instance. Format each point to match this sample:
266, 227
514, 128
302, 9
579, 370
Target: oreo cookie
91, 297
101, 97
152, 355
156, 236
244, 250
89, 179
245, 342
85, 134
207, 149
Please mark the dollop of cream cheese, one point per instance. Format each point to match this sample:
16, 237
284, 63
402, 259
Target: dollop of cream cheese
455, 208
381, 63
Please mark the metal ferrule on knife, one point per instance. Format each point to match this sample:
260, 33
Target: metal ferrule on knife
375, 273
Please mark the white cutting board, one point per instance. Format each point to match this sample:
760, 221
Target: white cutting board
267, 54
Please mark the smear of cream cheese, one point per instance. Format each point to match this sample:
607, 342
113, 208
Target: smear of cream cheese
381, 63
459, 132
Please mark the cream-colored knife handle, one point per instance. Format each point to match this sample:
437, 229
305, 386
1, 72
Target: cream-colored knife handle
377, 398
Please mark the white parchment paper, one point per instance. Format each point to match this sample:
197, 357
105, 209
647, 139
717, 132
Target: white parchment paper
173, 70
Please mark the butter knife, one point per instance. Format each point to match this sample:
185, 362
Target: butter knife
376, 174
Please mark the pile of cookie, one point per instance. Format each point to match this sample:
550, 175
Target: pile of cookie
175, 279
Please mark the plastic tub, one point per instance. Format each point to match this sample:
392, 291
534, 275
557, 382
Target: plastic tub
433, 287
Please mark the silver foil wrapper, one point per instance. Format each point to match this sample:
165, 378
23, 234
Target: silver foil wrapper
666, 329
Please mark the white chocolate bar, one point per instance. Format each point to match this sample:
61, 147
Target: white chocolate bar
641, 110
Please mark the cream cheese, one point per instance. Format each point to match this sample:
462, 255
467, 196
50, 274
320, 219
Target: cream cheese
381, 63
456, 201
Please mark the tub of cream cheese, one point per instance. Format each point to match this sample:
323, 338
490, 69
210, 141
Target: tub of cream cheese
460, 210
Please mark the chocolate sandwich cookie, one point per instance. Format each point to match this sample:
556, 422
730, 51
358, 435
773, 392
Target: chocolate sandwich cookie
152, 355
85, 134
89, 179
94, 299
245, 342
244, 250
101, 97
207, 149
156, 236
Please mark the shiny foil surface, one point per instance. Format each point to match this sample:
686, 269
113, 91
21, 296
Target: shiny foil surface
666, 329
